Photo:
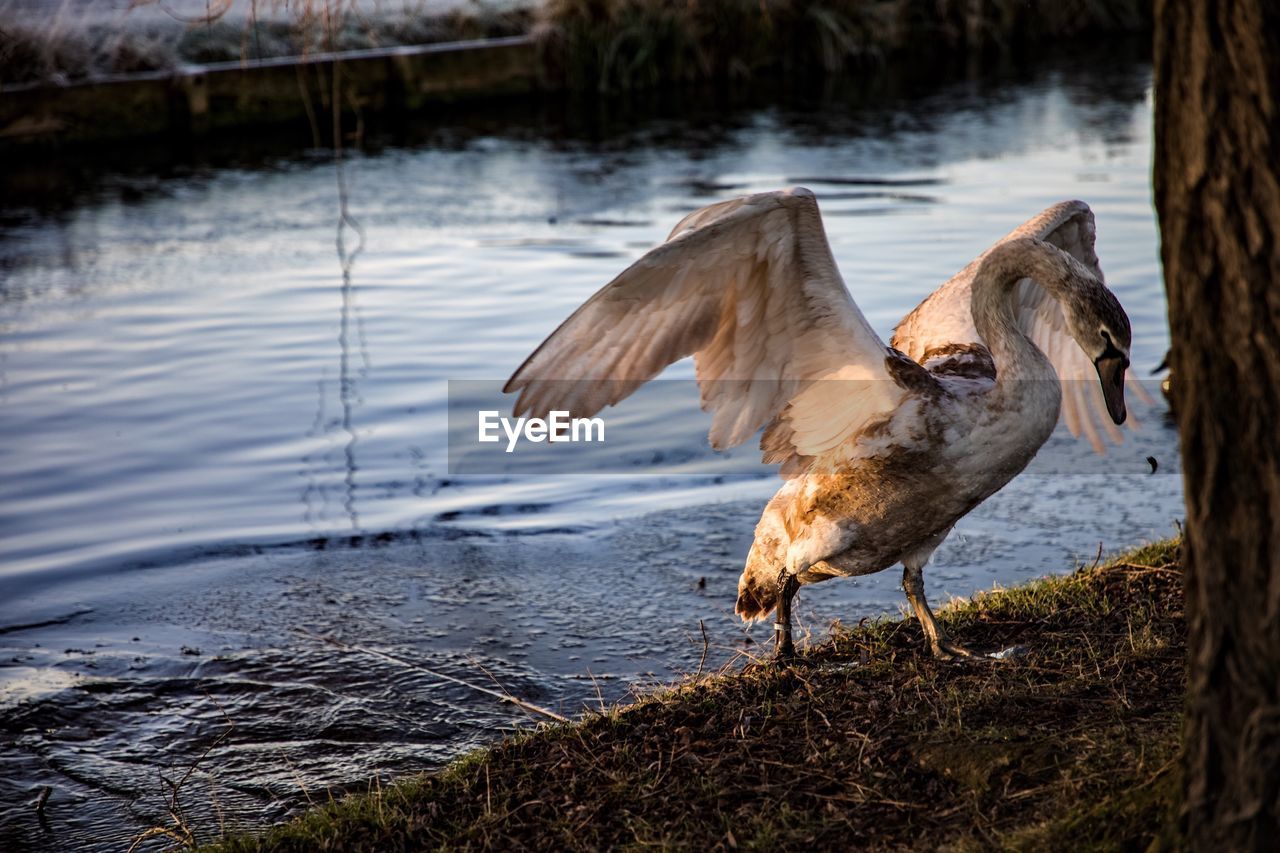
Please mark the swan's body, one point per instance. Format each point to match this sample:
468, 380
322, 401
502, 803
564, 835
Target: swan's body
883, 451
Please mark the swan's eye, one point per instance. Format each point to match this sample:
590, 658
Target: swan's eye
1112, 351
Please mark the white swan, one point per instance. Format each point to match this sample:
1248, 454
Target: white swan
884, 448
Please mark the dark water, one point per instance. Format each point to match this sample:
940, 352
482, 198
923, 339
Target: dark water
218, 448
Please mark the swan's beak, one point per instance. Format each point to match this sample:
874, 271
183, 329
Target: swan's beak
1111, 375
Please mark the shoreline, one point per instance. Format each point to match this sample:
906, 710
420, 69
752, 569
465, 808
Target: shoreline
866, 739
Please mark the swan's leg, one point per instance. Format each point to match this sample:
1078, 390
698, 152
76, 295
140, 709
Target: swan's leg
913, 585
783, 647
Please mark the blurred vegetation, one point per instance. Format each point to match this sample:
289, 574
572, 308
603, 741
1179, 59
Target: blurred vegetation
62, 51
624, 44
591, 45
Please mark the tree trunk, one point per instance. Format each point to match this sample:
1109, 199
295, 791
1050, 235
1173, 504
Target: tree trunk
1217, 156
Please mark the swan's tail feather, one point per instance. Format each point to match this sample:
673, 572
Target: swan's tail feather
757, 588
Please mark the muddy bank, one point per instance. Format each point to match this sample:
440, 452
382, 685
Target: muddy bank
866, 742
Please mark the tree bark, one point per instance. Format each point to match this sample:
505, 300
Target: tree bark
1217, 156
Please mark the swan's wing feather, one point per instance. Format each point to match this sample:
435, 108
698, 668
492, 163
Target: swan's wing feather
945, 317
750, 289
1084, 407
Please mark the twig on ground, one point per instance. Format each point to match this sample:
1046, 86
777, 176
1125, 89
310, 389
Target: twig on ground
705, 643
181, 831
1138, 568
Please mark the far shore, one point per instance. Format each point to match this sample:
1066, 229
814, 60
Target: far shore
65, 83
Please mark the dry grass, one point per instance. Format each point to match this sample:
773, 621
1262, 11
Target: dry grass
66, 50
865, 743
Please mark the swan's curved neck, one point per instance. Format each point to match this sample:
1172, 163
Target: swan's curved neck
994, 289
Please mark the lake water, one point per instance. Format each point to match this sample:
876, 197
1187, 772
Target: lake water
224, 435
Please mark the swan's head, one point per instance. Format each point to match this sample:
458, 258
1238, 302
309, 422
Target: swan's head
1101, 328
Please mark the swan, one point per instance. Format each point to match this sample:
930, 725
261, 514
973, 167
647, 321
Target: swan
883, 448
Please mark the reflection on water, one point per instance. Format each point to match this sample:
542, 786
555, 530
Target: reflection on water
347, 391
222, 440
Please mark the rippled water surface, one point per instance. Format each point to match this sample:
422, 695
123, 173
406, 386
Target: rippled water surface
224, 435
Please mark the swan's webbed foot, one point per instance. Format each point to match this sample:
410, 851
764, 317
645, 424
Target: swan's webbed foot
784, 649
942, 648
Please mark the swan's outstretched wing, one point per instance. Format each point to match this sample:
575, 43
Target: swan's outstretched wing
750, 289
945, 318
